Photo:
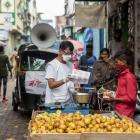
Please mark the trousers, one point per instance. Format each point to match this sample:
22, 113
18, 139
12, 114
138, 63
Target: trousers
3, 79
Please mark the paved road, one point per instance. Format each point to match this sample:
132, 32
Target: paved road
13, 125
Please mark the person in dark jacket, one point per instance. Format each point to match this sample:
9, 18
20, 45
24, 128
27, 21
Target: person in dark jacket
87, 60
103, 71
4, 67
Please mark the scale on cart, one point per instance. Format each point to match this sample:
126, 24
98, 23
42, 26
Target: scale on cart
80, 101
91, 99
84, 100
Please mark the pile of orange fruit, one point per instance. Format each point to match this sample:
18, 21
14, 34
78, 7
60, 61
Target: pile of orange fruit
78, 123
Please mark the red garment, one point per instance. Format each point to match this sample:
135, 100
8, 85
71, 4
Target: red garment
127, 90
75, 61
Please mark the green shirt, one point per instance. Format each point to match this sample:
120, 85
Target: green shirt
4, 65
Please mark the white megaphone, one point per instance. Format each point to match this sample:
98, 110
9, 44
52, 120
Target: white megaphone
43, 36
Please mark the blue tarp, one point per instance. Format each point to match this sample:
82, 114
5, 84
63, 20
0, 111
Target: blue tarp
101, 39
88, 34
98, 36
96, 42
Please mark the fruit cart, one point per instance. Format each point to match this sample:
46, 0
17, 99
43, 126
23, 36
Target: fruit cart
79, 121
75, 126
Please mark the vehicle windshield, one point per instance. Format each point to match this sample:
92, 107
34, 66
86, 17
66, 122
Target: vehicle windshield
35, 64
35, 61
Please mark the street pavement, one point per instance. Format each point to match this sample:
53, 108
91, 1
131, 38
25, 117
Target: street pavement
13, 125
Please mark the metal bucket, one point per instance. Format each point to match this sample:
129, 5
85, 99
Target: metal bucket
82, 98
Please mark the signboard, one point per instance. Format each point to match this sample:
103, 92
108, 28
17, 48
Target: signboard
68, 31
90, 16
7, 6
35, 82
61, 21
70, 7
6, 18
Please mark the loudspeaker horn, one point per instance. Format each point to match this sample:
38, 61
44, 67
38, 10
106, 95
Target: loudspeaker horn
43, 35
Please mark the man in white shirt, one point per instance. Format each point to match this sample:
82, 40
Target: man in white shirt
57, 72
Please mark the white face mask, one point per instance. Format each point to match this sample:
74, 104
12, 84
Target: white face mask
66, 58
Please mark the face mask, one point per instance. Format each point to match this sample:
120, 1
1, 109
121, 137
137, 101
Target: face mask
120, 67
66, 58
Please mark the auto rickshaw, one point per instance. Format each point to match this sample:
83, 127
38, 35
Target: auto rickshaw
32, 60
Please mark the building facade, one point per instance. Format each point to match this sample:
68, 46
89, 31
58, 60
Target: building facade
124, 15
92, 33
16, 20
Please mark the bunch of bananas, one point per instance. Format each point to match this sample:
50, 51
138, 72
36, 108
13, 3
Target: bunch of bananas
78, 123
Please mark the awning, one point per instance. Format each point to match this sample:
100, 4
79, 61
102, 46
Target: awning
78, 46
90, 15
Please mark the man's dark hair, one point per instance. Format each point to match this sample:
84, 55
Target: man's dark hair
70, 36
66, 44
125, 55
105, 50
89, 51
1, 49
